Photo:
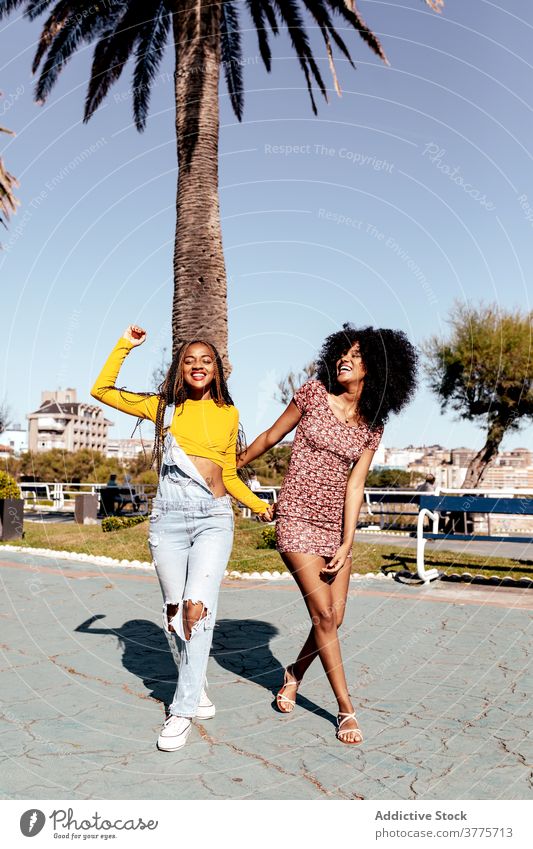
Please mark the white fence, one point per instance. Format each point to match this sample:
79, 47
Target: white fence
62, 495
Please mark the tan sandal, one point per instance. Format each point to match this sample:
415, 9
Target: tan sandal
286, 705
340, 732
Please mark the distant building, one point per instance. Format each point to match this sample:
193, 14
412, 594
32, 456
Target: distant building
462, 457
509, 470
64, 422
16, 439
502, 476
518, 458
129, 449
399, 458
402, 458
446, 475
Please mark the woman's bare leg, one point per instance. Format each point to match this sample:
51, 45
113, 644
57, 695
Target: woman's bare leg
339, 584
318, 597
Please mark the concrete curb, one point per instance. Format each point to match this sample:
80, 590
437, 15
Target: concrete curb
97, 560
100, 560
378, 531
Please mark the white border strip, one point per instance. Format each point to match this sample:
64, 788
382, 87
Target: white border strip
100, 560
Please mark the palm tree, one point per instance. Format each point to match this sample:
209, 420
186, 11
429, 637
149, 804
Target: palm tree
8, 201
206, 36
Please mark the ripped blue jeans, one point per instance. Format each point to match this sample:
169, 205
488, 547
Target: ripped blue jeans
190, 538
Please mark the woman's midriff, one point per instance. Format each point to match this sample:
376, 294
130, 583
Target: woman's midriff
211, 473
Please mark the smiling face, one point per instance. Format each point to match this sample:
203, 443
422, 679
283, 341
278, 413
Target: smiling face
350, 366
199, 366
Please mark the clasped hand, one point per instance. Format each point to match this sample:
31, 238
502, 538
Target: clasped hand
338, 560
268, 515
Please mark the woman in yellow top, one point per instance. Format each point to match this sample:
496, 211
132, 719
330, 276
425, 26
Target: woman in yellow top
191, 524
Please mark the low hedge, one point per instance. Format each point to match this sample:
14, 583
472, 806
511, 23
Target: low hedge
118, 523
8, 486
267, 538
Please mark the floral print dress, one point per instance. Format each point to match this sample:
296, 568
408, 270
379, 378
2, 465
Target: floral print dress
311, 501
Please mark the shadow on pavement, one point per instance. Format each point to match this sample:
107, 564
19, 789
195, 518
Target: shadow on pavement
145, 653
242, 647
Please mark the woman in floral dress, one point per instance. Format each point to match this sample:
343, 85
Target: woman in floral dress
362, 375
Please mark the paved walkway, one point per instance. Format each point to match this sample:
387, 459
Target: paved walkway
440, 673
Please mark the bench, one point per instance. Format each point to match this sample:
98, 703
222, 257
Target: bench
128, 495
379, 498
35, 492
433, 506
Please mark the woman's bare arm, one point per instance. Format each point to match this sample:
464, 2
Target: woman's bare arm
353, 499
281, 427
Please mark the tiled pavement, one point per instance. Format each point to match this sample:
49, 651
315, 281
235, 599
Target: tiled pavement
441, 675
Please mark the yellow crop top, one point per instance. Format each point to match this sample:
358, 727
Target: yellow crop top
202, 428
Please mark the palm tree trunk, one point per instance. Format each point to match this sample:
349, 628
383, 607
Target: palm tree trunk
479, 464
200, 299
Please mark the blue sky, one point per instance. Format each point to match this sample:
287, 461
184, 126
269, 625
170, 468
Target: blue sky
406, 193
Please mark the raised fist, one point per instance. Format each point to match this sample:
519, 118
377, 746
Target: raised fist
135, 334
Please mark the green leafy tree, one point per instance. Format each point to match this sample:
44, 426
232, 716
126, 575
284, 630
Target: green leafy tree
45, 466
148, 477
392, 478
205, 37
58, 465
12, 466
272, 466
138, 468
482, 371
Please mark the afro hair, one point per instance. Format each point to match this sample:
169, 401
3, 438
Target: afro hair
390, 361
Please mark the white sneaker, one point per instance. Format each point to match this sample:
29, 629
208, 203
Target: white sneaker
174, 733
206, 708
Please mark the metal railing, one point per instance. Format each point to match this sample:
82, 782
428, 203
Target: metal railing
63, 495
377, 504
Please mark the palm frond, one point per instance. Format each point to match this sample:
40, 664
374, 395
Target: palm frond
232, 56
290, 14
34, 8
350, 13
270, 15
8, 201
258, 13
61, 38
319, 12
112, 52
7, 6
149, 52
52, 26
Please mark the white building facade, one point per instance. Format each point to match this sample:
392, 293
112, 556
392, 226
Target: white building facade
15, 439
65, 423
